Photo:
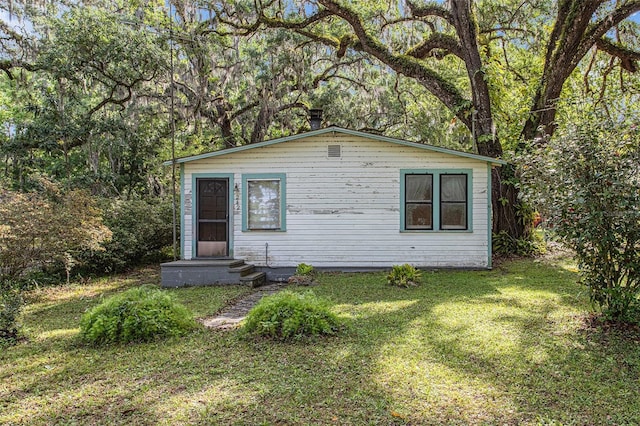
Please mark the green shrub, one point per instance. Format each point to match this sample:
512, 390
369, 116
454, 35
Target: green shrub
288, 315
47, 229
586, 184
504, 244
141, 231
303, 269
139, 314
403, 276
304, 275
10, 306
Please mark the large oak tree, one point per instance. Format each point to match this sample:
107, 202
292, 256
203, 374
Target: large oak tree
411, 38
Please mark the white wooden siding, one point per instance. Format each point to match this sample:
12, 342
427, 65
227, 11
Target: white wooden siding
345, 212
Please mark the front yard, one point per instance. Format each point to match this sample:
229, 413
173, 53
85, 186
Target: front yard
508, 346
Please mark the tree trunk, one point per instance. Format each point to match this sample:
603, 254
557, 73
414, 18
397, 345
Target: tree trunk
505, 204
504, 194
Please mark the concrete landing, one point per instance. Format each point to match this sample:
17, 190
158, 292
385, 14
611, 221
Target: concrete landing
198, 272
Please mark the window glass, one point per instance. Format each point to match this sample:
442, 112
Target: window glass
264, 204
419, 201
453, 201
419, 216
453, 216
453, 187
419, 187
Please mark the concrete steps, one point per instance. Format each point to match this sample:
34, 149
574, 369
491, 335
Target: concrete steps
254, 279
183, 273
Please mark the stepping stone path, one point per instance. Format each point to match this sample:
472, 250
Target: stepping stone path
231, 316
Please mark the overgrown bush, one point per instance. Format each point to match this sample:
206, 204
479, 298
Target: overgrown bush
139, 314
404, 276
10, 306
47, 229
141, 231
587, 187
288, 315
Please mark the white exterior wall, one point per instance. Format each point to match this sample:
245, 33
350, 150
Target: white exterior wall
344, 212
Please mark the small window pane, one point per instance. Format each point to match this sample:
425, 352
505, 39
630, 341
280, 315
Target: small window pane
453, 188
419, 188
264, 204
212, 231
419, 216
454, 216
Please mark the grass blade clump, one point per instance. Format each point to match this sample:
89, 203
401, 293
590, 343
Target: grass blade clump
404, 276
288, 315
139, 314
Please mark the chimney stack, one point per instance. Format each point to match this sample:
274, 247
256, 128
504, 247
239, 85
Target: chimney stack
315, 118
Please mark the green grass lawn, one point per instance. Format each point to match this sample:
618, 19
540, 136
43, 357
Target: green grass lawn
507, 346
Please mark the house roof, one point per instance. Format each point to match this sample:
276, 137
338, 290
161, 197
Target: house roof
334, 129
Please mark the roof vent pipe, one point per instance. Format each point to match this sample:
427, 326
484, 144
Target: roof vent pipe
315, 118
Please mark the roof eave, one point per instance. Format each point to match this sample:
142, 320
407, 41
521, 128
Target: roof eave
493, 161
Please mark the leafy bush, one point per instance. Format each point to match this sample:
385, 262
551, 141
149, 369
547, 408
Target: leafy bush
47, 229
504, 244
304, 275
139, 314
403, 276
141, 231
288, 315
587, 186
10, 306
304, 269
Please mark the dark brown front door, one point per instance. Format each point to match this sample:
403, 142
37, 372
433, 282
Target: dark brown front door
213, 218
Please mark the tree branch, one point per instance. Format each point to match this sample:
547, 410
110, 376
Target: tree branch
627, 57
403, 64
598, 30
111, 100
244, 109
437, 46
295, 25
431, 9
7, 65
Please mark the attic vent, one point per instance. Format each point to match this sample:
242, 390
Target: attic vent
333, 151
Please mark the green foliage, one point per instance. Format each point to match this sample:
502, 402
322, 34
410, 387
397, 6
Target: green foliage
404, 276
10, 306
139, 314
82, 115
288, 315
515, 326
48, 228
141, 231
504, 244
304, 275
587, 184
303, 269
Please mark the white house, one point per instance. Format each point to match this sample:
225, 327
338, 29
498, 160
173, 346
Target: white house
337, 199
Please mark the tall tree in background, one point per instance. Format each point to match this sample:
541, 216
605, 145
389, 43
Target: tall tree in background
88, 90
81, 101
88, 83
411, 39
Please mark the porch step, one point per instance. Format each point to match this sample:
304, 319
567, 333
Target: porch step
242, 269
210, 272
255, 279
235, 263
